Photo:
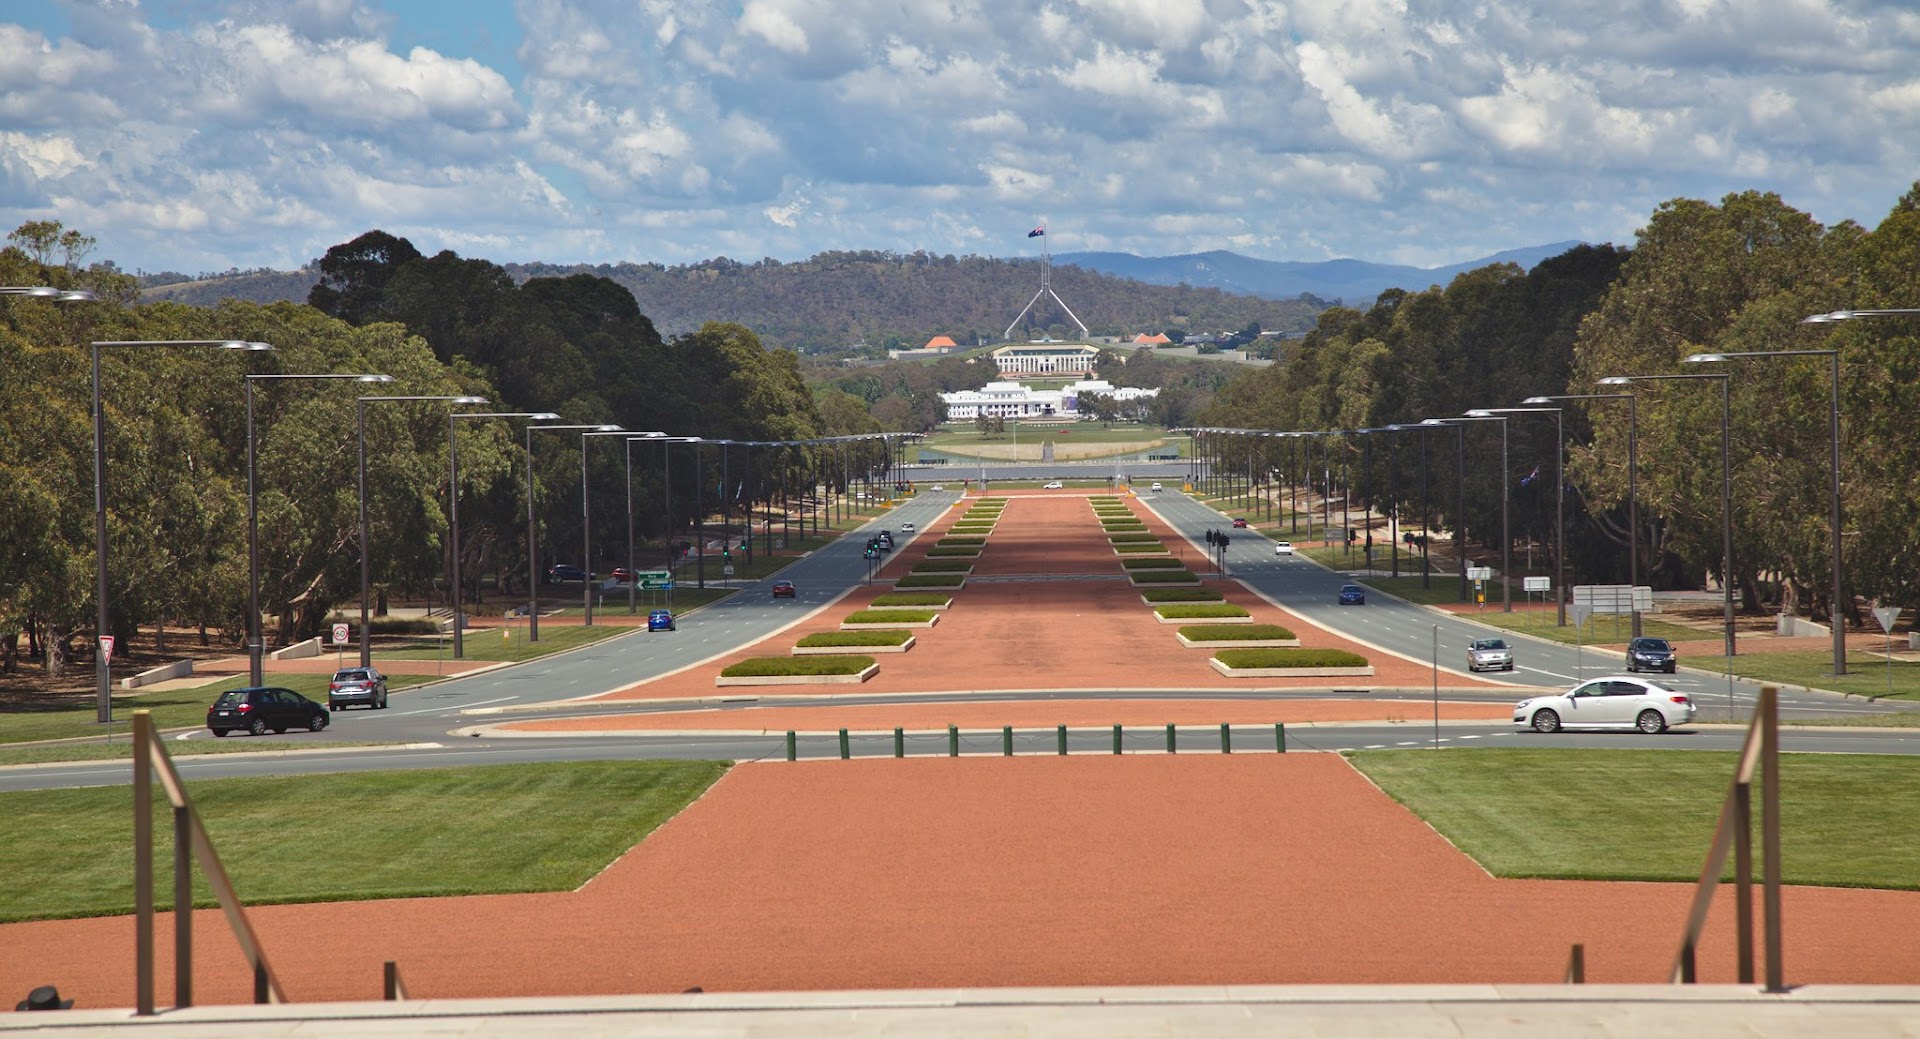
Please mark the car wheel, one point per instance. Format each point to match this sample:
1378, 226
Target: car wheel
259, 727
1546, 721
317, 722
383, 703
1509, 667
1652, 721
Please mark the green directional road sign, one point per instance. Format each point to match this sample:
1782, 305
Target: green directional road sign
654, 580
660, 585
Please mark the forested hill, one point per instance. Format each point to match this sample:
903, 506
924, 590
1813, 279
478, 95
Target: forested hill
880, 299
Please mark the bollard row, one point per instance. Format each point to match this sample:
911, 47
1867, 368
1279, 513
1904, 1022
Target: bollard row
1006, 742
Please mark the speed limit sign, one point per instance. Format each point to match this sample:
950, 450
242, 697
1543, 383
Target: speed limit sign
341, 635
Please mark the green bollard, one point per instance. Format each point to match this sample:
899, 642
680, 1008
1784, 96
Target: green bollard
1006, 740
1116, 739
844, 755
792, 747
1171, 749
1280, 737
1063, 740
953, 741
899, 743
1226, 737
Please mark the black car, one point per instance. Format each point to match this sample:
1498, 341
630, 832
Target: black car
565, 572
1651, 654
352, 685
261, 708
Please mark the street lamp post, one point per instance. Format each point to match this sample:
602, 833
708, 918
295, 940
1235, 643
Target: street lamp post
1506, 538
533, 569
1559, 501
453, 514
633, 581
1833, 474
1633, 506
366, 552
1726, 485
586, 524
255, 647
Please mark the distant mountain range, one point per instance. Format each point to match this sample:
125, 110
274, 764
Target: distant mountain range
1354, 282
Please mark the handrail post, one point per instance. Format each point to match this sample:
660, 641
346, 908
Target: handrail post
143, 862
1770, 835
182, 907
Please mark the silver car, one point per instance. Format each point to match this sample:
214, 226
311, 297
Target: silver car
1489, 655
1614, 702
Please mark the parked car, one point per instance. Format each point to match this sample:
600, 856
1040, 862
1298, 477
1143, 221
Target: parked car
1283, 548
1651, 654
1156, 487
261, 708
1053, 486
906, 528
1489, 655
1352, 595
660, 620
1239, 522
783, 589
352, 685
565, 572
1615, 702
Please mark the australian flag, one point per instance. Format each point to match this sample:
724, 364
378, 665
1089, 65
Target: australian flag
1037, 232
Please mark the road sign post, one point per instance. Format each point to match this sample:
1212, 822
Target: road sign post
1887, 616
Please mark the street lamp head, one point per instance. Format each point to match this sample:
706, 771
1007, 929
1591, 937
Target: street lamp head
469, 400
1538, 400
1480, 413
544, 416
246, 347
373, 378
48, 292
1702, 358
1617, 380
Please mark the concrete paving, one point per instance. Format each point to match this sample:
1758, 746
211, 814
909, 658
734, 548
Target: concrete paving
1531, 1011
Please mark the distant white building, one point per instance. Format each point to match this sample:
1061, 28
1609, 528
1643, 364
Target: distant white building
1017, 401
1046, 359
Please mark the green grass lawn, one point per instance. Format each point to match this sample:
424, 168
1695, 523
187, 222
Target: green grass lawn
173, 709
489, 829
1650, 814
1866, 675
492, 645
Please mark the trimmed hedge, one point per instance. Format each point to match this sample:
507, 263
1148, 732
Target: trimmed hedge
1164, 577
942, 566
911, 599
1129, 527
1234, 633
774, 667
1156, 563
828, 639
972, 529
969, 551
1131, 537
1158, 595
953, 542
930, 581
1252, 658
1200, 611
889, 616
1141, 547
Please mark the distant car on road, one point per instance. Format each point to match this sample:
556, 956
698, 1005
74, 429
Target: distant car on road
660, 620
1239, 522
1352, 595
1489, 655
1283, 548
622, 575
906, 528
783, 589
262, 708
1155, 487
1053, 486
352, 685
936, 487
1615, 702
1651, 654
565, 572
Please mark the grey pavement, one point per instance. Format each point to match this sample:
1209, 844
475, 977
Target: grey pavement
1495, 1011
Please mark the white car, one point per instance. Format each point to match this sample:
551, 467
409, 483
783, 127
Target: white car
906, 528
936, 487
1054, 486
1283, 548
1614, 702
1156, 487
1489, 655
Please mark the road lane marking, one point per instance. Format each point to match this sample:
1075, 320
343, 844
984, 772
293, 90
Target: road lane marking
461, 707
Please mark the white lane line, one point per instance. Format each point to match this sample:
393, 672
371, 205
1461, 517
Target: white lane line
1550, 674
459, 707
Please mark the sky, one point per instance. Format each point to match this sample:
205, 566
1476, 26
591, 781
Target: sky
199, 135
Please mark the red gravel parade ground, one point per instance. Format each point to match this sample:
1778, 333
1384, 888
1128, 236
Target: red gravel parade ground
1142, 869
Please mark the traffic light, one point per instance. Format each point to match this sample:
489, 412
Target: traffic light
1212, 537
726, 553
1224, 540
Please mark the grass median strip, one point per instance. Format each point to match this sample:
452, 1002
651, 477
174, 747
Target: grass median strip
1163, 577
1132, 538
942, 566
1160, 595
854, 639
1235, 632
1267, 658
930, 581
1204, 611
416, 833
895, 616
1649, 814
912, 599
1153, 563
780, 667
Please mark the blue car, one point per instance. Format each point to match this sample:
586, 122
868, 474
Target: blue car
1352, 595
660, 620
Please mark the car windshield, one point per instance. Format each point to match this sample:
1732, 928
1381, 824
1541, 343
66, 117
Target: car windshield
1490, 644
1651, 645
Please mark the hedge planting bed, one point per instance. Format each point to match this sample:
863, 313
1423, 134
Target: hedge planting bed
1241, 633
1134, 527
1139, 548
925, 600
856, 639
1157, 563
1283, 663
930, 581
950, 542
968, 551
1159, 595
942, 566
890, 616
1163, 577
1197, 611
1133, 537
784, 667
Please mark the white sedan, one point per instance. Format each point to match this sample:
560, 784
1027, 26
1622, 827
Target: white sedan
1054, 486
1283, 548
1614, 702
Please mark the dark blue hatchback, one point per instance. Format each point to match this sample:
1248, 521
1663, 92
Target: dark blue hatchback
660, 620
1352, 595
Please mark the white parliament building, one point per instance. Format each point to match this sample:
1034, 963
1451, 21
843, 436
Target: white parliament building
1017, 401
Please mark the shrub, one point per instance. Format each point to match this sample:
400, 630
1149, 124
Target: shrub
824, 639
1157, 563
950, 542
773, 667
942, 566
1289, 658
1148, 547
891, 616
1233, 632
972, 529
1135, 537
930, 581
1181, 595
969, 551
1202, 610
911, 599
1164, 577
1126, 526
